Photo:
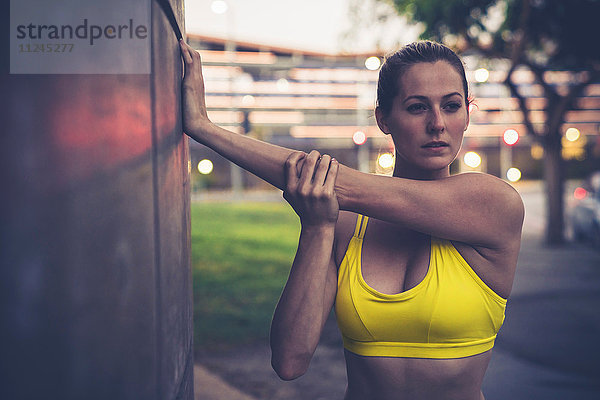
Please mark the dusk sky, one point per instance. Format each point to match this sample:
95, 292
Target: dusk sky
316, 25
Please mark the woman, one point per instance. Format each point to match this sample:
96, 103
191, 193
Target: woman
419, 265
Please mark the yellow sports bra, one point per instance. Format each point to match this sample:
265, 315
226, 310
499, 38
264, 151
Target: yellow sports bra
452, 313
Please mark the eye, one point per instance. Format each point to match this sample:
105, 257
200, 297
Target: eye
416, 108
452, 107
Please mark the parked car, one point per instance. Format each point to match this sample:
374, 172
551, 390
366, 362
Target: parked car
583, 216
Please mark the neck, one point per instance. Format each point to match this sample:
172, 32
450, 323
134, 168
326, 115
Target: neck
408, 171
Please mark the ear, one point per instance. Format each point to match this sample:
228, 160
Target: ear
381, 121
468, 118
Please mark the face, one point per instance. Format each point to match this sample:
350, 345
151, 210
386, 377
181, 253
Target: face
427, 120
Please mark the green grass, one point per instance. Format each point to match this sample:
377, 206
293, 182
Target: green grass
241, 257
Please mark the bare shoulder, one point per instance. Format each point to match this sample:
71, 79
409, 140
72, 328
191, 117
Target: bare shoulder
485, 182
504, 211
496, 196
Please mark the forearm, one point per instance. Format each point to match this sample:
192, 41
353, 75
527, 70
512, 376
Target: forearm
411, 203
353, 189
263, 159
304, 304
377, 196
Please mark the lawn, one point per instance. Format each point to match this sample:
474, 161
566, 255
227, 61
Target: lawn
241, 256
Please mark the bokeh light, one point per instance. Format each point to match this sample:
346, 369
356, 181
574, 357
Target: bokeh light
472, 159
572, 134
510, 137
537, 151
513, 174
373, 63
482, 75
248, 100
359, 137
205, 167
580, 193
283, 85
385, 160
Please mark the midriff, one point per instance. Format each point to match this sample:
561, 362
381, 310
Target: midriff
393, 378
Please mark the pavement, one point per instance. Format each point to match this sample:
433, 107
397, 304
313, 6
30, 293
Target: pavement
209, 386
547, 349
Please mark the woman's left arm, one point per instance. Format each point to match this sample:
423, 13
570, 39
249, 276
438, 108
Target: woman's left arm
473, 208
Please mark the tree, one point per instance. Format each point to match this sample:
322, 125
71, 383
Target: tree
540, 35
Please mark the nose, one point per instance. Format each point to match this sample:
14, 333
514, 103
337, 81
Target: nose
436, 123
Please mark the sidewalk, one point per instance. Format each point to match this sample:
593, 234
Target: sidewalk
209, 386
548, 346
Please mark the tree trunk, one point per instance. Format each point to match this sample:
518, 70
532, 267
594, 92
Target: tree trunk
554, 178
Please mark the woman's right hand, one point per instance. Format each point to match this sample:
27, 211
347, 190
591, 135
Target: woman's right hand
195, 116
311, 194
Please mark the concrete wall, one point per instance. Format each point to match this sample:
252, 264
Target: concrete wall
95, 282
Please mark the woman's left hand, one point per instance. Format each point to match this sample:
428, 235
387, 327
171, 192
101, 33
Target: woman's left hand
312, 193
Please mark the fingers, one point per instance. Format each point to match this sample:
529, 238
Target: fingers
192, 61
312, 194
322, 168
331, 176
308, 171
185, 51
316, 172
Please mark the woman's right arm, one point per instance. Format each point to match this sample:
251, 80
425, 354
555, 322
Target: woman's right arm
263, 159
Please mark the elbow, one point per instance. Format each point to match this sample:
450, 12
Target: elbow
288, 373
289, 368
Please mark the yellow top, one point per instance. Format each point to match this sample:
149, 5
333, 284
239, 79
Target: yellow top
452, 313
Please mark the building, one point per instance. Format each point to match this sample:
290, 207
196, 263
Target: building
306, 100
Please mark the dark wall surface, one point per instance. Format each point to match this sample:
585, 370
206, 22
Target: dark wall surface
95, 282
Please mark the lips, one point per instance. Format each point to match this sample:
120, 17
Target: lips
435, 144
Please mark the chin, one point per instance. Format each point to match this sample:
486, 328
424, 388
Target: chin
425, 166
435, 165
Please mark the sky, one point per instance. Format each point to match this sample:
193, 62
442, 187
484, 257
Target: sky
317, 25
